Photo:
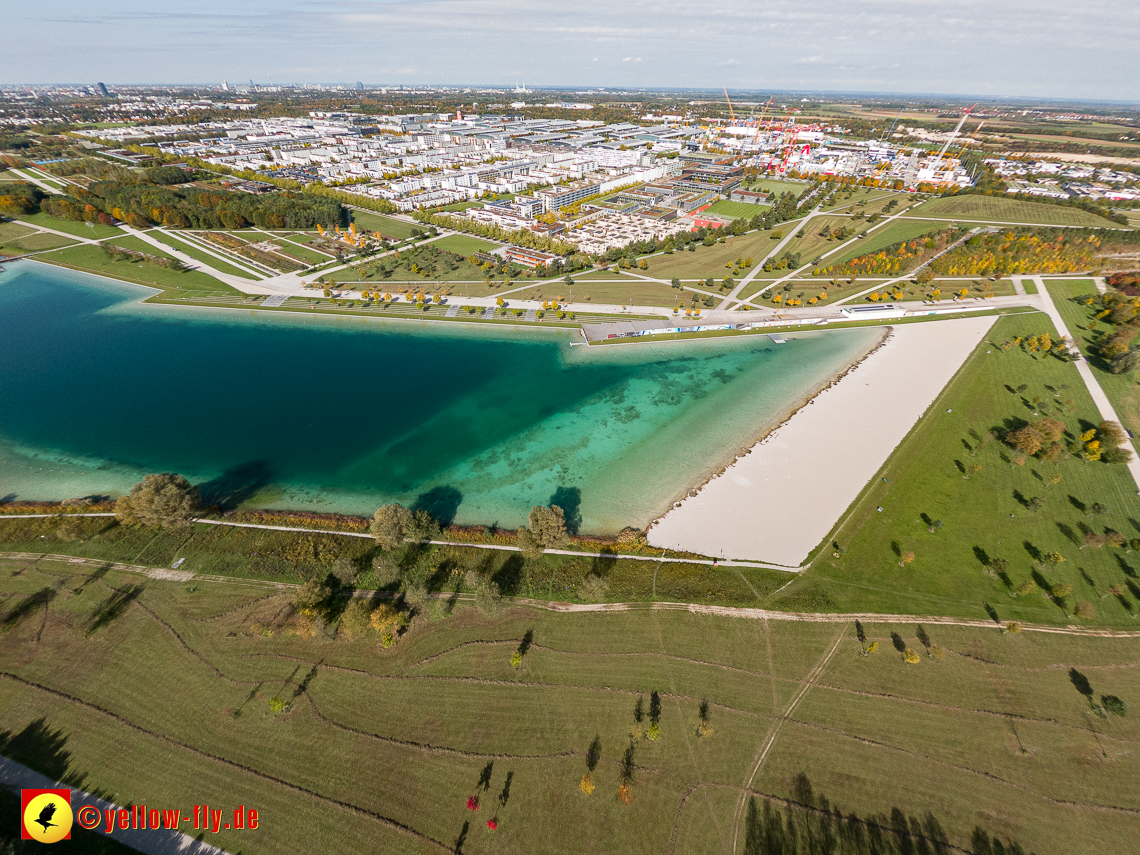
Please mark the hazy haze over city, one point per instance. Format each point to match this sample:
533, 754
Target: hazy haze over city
1043, 48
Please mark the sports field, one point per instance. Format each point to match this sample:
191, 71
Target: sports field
1001, 210
182, 693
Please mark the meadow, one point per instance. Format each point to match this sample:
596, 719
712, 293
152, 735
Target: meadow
956, 525
688, 725
1001, 210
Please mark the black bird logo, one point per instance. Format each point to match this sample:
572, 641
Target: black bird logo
45, 816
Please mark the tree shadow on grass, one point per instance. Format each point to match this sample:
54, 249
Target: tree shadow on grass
113, 607
28, 606
1069, 534
39, 747
508, 575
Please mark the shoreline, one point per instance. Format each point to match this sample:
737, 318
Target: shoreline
779, 501
716, 471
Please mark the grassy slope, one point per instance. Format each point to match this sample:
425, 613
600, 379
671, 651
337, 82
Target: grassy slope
1000, 209
982, 517
387, 226
406, 733
736, 209
91, 258
1120, 388
708, 261
71, 227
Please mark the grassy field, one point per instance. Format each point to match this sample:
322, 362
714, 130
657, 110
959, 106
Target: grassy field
987, 515
779, 188
92, 258
735, 209
71, 227
629, 290
1002, 210
464, 244
295, 247
159, 693
812, 244
387, 226
708, 261
16, 240
1121, 388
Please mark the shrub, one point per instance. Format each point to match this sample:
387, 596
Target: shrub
488, 599
278, 705
1085, 610
388, 623
356, 622
586, 785
594, 588
1114, 705
311, 596
385, 570
911, 657
516, 660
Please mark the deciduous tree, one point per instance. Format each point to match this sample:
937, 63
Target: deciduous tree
162, 499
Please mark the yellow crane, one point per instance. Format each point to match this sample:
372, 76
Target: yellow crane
760, 121
726, 98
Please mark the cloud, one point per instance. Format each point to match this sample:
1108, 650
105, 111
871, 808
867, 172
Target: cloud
1017, 47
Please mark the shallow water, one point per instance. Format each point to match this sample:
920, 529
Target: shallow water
283, 410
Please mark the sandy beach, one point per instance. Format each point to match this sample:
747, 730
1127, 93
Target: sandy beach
778, 502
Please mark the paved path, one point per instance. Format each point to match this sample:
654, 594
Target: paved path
43, 185
238, 283
16, 776
1103, 405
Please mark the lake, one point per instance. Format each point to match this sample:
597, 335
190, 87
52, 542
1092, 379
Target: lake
283, 410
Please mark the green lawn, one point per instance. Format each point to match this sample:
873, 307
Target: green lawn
387, 226
72, 227
1003, 210
1121, 389
779, 188
159, 693
194, 252
302, 251
736, 210
985, 516
31, 242
464, 245
93, 259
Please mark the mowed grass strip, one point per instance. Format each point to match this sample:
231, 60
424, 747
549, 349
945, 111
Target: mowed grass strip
387, 226
92, 259
987, 515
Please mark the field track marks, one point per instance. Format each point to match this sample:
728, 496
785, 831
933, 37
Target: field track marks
560, 652
762, 754
182, 643
485, 681
228, 612
968, 770
387, 822
886, 696
688, 741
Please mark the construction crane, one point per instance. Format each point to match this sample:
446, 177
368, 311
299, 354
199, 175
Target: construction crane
726, 98
961, 122
760, 121
895, 122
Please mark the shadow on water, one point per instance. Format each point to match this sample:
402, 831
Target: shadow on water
441, 502
808, 818
570, 500
236, 485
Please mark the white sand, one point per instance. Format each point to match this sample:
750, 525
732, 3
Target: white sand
782, 499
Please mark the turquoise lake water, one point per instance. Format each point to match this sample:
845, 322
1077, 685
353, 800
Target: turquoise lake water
292, 411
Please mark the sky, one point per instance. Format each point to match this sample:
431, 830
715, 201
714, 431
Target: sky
990, 48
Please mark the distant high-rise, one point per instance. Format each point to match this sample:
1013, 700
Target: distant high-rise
359, 85
225, 86
102, 90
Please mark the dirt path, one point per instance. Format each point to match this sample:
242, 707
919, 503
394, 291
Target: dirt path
161, 574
